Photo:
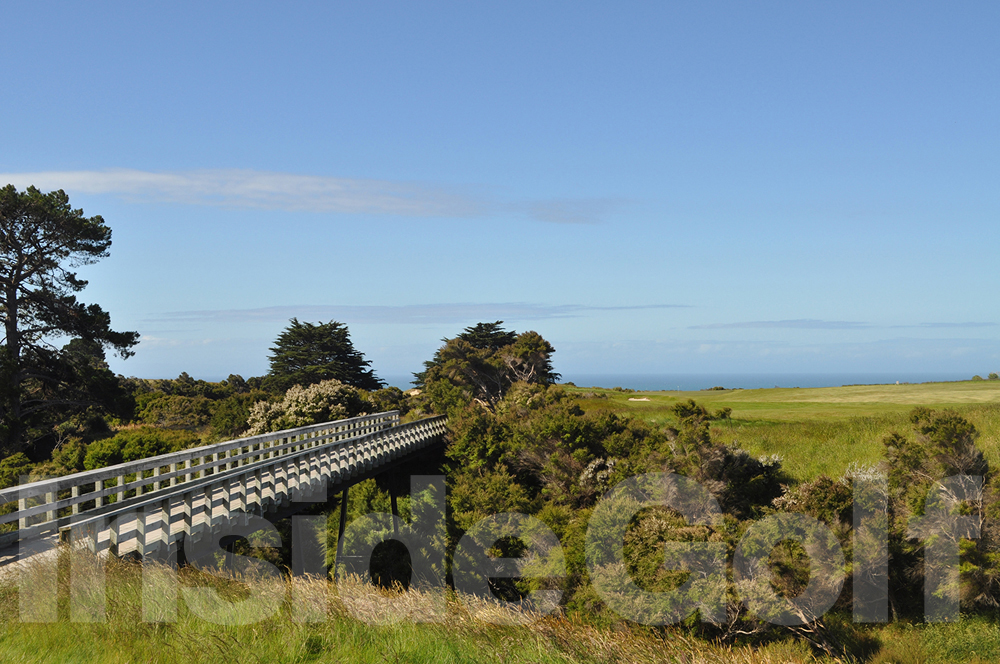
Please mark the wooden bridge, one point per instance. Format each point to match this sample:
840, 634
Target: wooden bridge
152, 505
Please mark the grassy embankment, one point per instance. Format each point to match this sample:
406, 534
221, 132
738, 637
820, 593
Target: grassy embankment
365, 625
352, 622
817, 430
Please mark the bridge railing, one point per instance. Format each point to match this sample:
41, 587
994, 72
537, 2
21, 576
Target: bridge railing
328, 449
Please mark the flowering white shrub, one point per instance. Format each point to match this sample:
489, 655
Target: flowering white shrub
301, 406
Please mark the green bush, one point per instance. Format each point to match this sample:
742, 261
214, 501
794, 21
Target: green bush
829, 500
386, 399
173, 411
12, 468
231, 416
944, 445
137, 444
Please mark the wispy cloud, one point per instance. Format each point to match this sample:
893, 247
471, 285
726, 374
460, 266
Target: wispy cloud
950, 325
797, 324
310, 193
583, 211
260, 189
813, 324
403, 314
148, 340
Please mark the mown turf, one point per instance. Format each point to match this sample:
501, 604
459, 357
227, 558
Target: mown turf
816, 430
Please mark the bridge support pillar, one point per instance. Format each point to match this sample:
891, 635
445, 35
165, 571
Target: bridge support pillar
340, 534
395, 508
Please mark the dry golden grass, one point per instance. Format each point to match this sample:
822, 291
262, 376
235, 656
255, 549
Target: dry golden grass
351, 622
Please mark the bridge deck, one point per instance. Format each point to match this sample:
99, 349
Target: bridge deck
151, 504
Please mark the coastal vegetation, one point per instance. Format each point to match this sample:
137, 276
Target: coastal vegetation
552, 451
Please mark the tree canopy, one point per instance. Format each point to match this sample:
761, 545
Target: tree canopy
305, 354
41, 240
485, 360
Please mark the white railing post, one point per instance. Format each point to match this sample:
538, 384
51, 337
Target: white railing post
22, 505
258, 494
187, 513
50, 498
114, 529
208, 507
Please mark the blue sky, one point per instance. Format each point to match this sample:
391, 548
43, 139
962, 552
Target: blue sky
654, 187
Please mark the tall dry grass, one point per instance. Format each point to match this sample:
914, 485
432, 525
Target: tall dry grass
319, 621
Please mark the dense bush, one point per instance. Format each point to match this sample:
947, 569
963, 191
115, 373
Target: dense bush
172, 411
186, 386
134, 444
386, 399
12, 468
537, 452
943, 444
231, 416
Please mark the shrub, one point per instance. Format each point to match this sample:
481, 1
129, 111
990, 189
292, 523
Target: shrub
12, 468
388, 398
829, 500
173, 411
231, 416
725, 413
137, 444
322, 402
944, 445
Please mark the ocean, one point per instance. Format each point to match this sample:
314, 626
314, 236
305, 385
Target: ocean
693, 382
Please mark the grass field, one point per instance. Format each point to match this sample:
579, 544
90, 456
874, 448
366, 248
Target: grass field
816, 430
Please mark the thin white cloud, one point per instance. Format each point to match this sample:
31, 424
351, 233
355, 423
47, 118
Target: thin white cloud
798, 324
148, 340
405, 314
813, 324
259, 189
311, 193
584, 211
951, 325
